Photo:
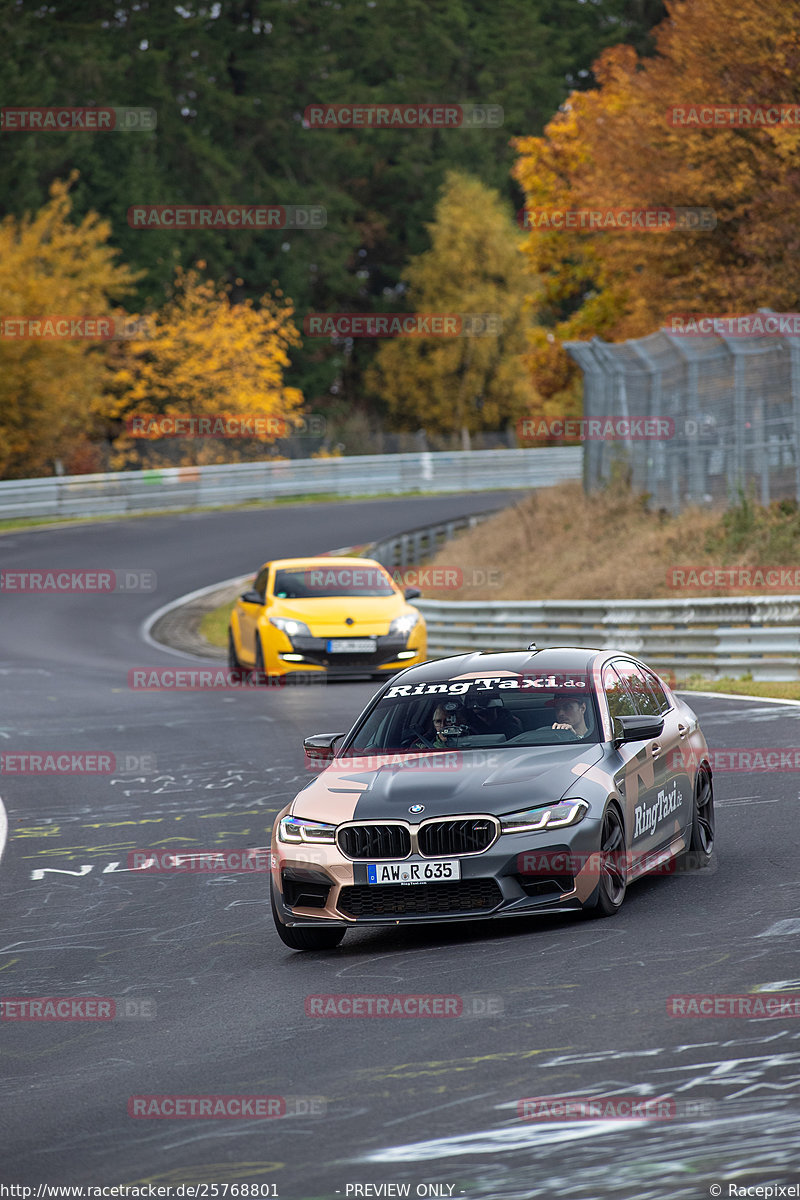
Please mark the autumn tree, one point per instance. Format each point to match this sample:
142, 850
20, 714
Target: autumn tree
614, 147
230, 82
474, 266
201, 355
51, 267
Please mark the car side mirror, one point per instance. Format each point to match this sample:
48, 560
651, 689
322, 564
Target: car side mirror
411, 593
319, 748
639, 729
252, 597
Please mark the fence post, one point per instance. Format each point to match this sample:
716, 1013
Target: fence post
654, 403
595, 382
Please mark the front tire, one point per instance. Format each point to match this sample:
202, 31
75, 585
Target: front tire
298, 938
261, 674
607, 898
233, 661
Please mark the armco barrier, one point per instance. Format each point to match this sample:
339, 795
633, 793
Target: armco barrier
705, 636
199, 487
416, 545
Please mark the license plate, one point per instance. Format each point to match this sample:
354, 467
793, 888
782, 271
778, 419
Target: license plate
352, 646
414, 872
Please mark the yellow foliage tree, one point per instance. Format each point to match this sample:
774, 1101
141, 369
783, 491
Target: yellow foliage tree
202, 356
51, 267
475, 265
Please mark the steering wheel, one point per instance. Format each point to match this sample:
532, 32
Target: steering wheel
416, 735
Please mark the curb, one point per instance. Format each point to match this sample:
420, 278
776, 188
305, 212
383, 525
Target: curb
175, 627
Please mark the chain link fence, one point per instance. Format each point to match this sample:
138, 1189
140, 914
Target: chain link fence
729, 403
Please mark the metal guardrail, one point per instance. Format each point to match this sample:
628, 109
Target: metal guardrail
408, 549
200, 487
713, 637
709, 636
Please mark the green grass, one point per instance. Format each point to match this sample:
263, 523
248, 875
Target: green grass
744, 686
214, 625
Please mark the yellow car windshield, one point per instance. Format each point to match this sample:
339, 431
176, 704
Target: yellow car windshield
316, 582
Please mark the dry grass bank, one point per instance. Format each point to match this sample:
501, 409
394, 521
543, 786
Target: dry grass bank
560, 544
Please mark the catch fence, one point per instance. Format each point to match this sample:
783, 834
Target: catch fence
731, 398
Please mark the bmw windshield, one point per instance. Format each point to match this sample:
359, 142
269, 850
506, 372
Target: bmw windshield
481, 711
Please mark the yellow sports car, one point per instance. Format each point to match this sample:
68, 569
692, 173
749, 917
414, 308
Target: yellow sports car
334, 616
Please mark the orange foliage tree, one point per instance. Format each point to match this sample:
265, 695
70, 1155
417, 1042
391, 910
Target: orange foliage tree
614, 147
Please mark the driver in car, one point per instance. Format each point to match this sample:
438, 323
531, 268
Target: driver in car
570, 714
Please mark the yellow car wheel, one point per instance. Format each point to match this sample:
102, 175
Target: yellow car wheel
233, 661
261, 674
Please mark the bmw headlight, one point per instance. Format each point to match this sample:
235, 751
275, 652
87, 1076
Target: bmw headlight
404, 624
556, 816
298, 829
290, 627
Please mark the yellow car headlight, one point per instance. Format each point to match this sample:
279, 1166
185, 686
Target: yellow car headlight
290, 627
404, 624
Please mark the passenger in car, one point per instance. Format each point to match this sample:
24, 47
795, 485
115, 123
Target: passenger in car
449, 723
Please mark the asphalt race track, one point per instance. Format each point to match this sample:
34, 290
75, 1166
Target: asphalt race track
575, 1007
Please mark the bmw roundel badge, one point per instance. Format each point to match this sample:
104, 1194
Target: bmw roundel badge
417, 808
